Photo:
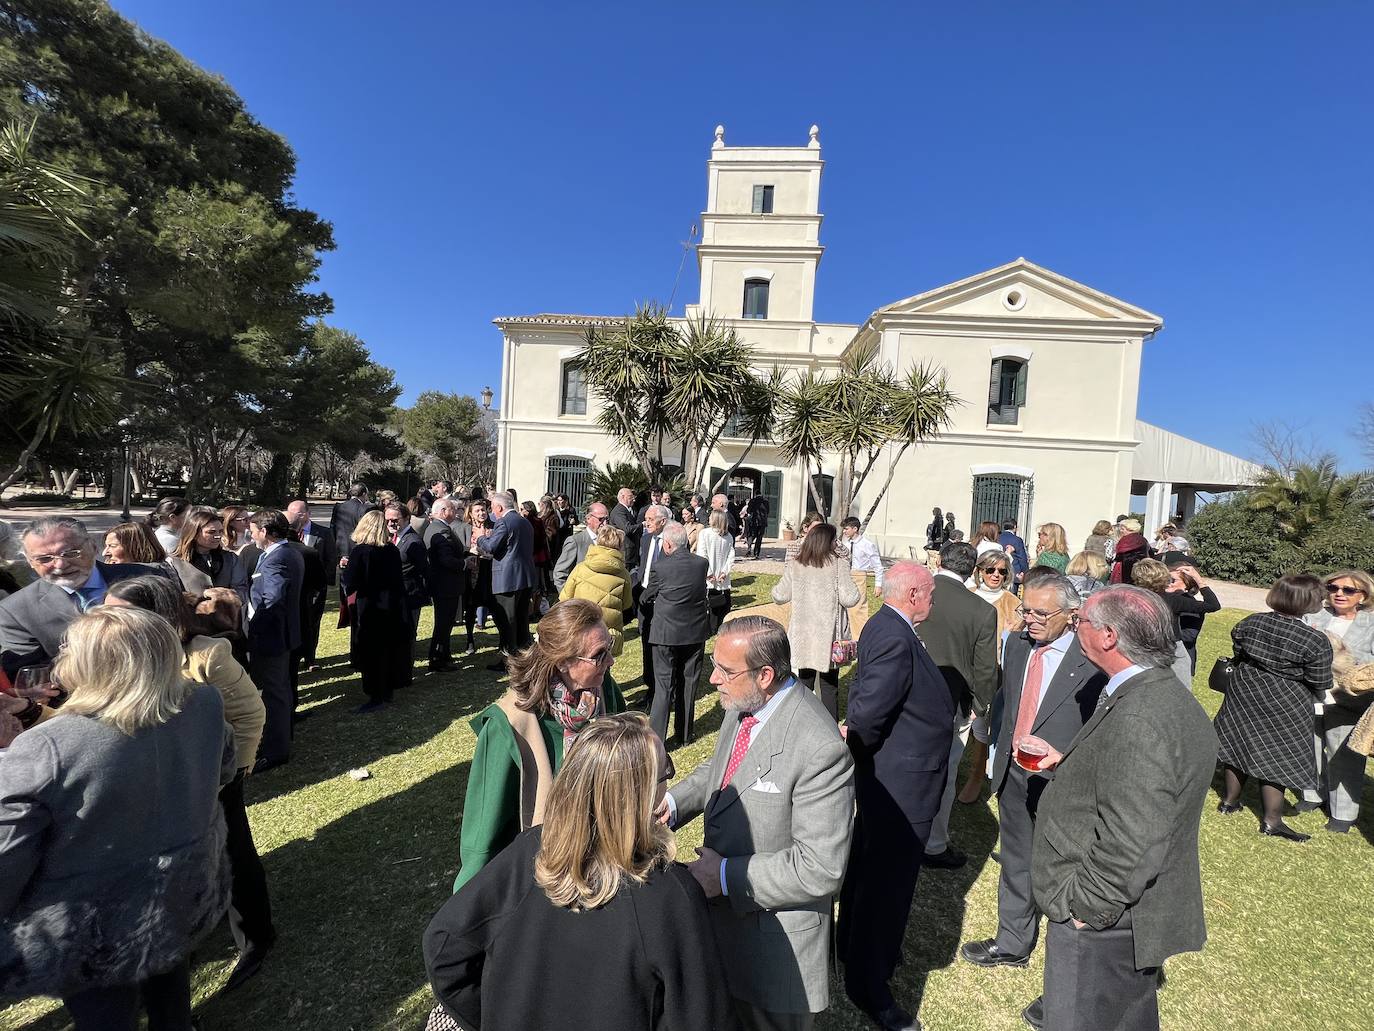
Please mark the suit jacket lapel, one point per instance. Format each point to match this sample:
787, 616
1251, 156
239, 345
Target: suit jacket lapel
1102, 710
1067, 679
758, 761
1014, 677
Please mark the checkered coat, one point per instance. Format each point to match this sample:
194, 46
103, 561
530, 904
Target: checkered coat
1265, 723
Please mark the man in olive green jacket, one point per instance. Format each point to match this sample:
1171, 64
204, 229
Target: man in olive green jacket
1115, 860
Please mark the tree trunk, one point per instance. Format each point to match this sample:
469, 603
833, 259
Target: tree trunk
24, 456
891, 472
276, 481
303, 481
815, 494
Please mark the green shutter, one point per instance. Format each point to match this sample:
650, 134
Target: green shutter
1019, 397
772, 490
995, 384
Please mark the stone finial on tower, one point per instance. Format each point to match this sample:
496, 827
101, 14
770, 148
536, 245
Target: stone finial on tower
720, 137
815, 143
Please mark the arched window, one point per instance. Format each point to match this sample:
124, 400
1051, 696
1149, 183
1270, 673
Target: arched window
756, 298
1006, 391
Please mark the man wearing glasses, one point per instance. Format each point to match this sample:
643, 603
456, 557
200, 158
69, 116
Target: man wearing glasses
1049, 690
70, 581
777, 798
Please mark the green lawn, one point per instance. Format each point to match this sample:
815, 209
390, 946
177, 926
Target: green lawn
357, 868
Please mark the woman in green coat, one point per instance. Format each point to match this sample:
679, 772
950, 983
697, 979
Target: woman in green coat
602, 578
557, 686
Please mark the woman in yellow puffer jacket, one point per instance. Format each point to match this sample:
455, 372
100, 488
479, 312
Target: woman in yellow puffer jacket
602, 578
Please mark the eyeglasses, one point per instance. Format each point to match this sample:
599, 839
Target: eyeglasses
738, 673
1039, 615
70, 555
1342, 589
599, 659
994, 572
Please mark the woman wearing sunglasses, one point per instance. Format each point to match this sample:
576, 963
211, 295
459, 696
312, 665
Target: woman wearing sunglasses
1348, 614
991, 578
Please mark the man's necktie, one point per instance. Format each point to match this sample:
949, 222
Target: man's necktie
746, 729
1102, 700
1030, 694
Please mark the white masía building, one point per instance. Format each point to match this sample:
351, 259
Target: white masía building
1048, 369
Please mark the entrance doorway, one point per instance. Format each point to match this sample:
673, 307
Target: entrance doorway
745, 483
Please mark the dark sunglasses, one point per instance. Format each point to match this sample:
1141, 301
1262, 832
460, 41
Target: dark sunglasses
669, 770
1342, 589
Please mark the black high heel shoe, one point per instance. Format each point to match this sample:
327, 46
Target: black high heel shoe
1282, 830
1229, 808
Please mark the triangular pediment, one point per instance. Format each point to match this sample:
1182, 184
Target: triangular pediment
1020, 290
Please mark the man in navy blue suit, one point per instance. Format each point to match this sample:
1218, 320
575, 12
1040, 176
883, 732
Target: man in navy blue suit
897, 727
274, 629
510, 546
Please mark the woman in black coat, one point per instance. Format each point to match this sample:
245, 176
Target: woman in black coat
1282, 666
590, 900
379, 646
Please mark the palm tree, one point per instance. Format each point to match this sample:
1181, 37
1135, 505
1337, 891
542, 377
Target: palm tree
53, 375
1312, 495
800, 434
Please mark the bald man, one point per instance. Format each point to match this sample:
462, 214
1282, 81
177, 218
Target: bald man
897, 727
575, 547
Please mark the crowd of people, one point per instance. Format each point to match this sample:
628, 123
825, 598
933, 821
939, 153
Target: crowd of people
1065, 677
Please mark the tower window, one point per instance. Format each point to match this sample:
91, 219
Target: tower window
763, 200
756, 298
1006, 391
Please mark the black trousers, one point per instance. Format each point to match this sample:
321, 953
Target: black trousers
719, 604
272, 675
441, 640
312, 614
250, 910
879, 884
754, 542
511, 612
1018, 917
677, 669
166, 997
1091, 980
826, 684
646, 651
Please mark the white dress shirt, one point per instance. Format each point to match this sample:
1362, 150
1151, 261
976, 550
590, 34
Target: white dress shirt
864, 556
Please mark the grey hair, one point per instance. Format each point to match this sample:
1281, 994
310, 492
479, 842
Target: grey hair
765, 644
502, 498
45, 525
443, 505
674, 533
1065, 592
1143, 623
659, 512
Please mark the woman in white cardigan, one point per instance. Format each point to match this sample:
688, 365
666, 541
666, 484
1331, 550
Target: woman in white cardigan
717, 547
819, 585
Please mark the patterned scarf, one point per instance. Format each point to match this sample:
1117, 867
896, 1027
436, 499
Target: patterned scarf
573, 709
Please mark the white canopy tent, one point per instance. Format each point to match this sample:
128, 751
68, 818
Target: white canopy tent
1166, 463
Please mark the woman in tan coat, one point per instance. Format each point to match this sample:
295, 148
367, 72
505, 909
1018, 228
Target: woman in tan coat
819, 586
602, 578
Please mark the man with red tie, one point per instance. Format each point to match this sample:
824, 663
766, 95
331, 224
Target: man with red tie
778, 801
1049, 690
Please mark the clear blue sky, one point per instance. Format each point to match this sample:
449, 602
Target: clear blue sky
1210, 162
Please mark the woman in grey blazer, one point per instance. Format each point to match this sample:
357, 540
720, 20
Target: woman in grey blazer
112, 856
1349, 615
201, 560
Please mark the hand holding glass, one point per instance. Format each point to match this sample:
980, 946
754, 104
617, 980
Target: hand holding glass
1034, 754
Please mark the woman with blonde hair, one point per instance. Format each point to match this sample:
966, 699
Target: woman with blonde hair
1097, 541
112, 840
1348, 615
235, 519
991, 576
374, 590
200, 559
602, 578
717, 547
201, 624
1088, 572
597, 879
1053, 547
557, 686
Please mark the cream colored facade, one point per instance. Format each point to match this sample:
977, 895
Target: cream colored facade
1059, 446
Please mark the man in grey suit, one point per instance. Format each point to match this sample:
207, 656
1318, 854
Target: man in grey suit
575, 547
777, 797
1049, 690
1115, 865
510, 546
961, 636
70, 581
678, 633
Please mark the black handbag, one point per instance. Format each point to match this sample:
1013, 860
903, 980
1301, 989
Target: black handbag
1223, 670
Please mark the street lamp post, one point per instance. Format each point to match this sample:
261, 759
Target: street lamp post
124, 481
